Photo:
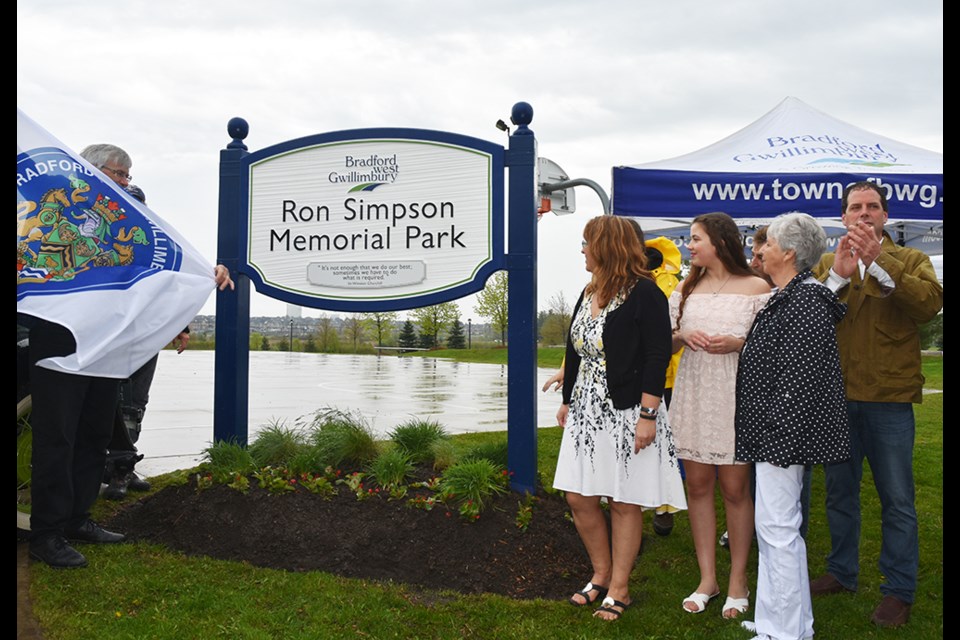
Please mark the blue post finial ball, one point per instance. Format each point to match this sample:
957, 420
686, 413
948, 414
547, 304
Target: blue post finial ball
521, 116
238, 129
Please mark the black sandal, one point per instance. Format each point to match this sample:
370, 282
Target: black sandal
608, 607
585, 592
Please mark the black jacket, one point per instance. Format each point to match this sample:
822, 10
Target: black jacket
637, 344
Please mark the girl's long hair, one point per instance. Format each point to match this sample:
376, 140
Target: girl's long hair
726, 239
618, 256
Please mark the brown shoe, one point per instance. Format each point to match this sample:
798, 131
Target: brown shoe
827, 584
891, 612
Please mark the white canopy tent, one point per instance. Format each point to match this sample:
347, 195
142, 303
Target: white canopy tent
794, 158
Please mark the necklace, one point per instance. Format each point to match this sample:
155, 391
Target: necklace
723, 284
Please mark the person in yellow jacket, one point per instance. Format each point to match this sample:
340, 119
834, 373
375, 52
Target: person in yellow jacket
663, 262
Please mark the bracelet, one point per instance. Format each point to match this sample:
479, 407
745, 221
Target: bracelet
646, 416
648, 412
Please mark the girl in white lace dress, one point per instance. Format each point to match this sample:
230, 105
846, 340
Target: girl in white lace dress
711, 313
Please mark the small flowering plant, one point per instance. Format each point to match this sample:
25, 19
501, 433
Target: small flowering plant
427, 503
240, 483
469, 510
275, 480
397, 492
318, 484
354, 482
433, 484
525, 512
204, 481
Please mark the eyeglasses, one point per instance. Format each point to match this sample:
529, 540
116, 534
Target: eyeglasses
117, 172
583, 244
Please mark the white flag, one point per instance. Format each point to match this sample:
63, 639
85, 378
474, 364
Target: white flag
93, 259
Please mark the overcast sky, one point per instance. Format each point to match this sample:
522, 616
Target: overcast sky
615, 82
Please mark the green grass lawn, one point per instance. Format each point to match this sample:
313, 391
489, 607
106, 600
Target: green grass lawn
144, 591
933, 372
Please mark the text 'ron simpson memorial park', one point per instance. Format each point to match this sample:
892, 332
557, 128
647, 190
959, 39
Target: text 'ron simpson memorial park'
401, 226
394, 215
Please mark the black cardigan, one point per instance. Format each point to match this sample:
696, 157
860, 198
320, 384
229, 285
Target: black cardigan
637, 342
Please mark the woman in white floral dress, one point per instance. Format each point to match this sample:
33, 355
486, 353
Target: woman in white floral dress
712, 311
616, 442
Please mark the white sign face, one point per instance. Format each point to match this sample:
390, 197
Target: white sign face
371, 219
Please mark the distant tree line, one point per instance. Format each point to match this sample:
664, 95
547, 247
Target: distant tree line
432, 327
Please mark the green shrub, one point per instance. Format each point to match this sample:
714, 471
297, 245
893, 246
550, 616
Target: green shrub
391, 468
224, 460
339, 437
276, 445
495, 452
444, 454
417, 438
471, 483
309, 459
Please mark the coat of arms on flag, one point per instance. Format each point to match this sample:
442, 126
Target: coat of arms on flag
94, 260
76, 231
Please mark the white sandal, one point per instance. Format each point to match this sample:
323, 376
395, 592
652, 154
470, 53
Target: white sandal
701, 600
740, 605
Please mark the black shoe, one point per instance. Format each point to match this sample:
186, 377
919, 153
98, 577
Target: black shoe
663, 524
55, 552
116, 490
136, 483
90, 531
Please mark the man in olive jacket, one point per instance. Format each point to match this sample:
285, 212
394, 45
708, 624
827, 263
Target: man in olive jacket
890, 291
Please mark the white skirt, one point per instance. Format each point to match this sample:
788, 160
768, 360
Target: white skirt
597, 457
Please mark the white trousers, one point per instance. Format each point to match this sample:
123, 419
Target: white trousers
783, 608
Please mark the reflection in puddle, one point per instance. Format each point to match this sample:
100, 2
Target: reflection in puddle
387, 390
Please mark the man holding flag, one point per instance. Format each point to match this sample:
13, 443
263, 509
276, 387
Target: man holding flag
103, 284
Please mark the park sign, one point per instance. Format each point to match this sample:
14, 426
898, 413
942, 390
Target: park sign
373, 218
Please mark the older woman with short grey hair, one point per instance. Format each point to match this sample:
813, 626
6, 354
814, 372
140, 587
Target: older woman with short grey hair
800, 233
791, 412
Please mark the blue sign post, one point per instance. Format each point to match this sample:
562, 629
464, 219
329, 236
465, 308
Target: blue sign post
522, 303
378, 220
231, 383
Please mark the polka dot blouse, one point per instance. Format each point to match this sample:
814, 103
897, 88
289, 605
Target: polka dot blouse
791, 407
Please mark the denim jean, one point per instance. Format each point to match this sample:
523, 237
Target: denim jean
884, 433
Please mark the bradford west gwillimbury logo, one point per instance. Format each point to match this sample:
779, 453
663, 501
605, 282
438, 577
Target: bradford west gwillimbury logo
76, 231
